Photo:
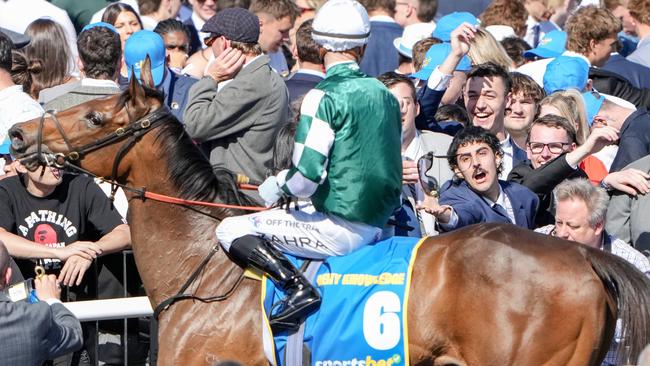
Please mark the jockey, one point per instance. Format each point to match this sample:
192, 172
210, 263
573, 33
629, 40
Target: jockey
346, 168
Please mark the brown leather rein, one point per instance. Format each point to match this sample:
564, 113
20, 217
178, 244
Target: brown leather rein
133, 132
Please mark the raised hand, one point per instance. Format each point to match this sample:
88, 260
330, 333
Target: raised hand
226, 65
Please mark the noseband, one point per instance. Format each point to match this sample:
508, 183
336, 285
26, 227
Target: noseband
132, 132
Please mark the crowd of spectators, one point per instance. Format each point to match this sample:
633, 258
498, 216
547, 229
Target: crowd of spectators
528, 112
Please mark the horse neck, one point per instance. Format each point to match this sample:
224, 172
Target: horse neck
169, 241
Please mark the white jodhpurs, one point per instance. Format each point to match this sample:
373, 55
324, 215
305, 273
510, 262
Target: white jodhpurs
304, 232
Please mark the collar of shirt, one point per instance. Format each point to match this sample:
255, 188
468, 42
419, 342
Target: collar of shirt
311, 72
413, 151
328, 68
99, 83
382, 18
198, 24
506, 145
574, 54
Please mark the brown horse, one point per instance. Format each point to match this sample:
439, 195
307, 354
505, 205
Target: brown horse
485, 295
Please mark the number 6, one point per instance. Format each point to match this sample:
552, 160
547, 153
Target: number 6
381, 323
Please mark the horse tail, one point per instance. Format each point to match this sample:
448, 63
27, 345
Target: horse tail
630, 289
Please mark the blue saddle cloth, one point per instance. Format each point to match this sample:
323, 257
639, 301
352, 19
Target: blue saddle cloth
362, 319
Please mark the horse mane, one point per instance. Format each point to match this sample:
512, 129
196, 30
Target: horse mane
189, 169
192, 173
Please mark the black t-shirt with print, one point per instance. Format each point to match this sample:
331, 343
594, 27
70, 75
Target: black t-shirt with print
77, 210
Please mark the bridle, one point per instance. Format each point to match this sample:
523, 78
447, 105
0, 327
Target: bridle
132, 132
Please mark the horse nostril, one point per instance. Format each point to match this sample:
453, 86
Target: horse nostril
17, 139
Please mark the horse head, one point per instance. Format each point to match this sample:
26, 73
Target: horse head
85, 134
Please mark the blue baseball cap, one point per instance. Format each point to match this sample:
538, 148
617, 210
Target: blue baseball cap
6, 145
593, 102
136, 49
553, 44
566, 72
435, 56
449, 22
99, 24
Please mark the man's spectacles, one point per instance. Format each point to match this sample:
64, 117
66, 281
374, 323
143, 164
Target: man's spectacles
553, 147
430, 185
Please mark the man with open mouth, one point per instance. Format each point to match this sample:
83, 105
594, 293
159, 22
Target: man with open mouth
477, 195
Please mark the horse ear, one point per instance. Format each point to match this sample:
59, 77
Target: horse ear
137, 93
145, 74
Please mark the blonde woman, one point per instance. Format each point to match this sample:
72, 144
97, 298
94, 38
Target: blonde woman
485, 48
569, 104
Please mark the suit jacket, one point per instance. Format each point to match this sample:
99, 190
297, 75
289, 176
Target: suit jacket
79, 95
611, 83
475, 7
635, 140
627, 216
239, 122
300, 83
542, 181
34, 333
381, 56
638, 75
642, 53
176, 88
473, 209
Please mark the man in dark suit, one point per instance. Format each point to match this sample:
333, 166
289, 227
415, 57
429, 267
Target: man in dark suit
34, 333
310, 64
380, 55
637, 74
554, 157
475, 156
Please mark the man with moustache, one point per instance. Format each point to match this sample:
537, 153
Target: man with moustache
475, 156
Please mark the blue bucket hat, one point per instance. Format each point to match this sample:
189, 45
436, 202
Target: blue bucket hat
449, 22
136, 49
6, 145
566, 72
553, 44
593, 102
435, 56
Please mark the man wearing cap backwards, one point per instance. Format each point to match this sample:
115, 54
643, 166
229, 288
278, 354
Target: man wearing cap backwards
238, 107
176, 87
354, 184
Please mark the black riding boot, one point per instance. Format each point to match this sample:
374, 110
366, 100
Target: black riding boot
301, 297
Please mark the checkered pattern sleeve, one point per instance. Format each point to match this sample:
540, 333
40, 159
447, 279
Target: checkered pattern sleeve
312, 144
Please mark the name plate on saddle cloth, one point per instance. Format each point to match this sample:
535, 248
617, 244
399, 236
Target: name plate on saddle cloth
362, 320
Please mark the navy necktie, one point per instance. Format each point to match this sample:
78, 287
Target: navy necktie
501, 210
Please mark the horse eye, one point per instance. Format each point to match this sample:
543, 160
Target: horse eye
94, 119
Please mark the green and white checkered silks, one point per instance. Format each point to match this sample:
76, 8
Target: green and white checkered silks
313, 141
